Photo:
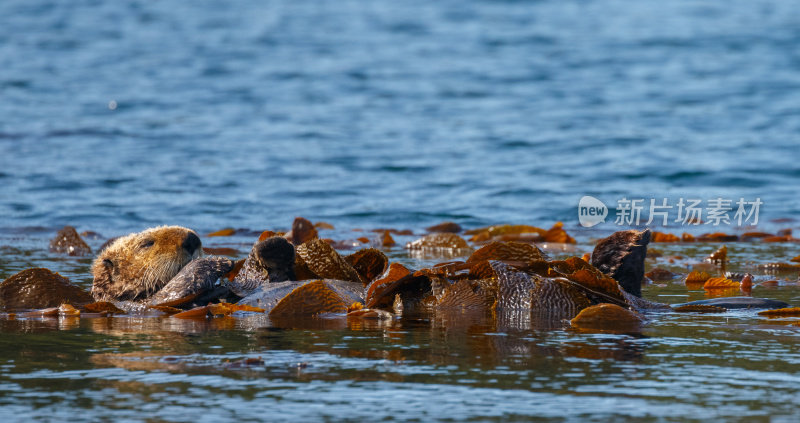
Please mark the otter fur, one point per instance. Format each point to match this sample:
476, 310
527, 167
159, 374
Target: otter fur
136, 266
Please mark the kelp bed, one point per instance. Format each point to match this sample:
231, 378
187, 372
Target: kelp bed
694, 365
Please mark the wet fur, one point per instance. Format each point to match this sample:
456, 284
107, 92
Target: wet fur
621, 256
269, 261
136, 266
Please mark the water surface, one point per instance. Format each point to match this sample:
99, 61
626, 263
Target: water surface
118, 116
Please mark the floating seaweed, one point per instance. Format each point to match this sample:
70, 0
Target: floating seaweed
237, 267
488, 232
507, 251
438, 241
781, 312
324, 225
222, 232
720, 283
659, 274
609, 317
302, 231
696, 277
67, 241
387, 240
40, 288
717, 237
748, 236
314, 298
663, 237
369, 263
320, 259
450, 227
719, 257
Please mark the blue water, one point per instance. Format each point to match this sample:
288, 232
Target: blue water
120, 115
370, 113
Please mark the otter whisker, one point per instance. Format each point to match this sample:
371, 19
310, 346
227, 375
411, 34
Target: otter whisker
141, 272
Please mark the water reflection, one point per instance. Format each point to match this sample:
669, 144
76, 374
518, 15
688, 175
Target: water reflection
138, 360
471, 339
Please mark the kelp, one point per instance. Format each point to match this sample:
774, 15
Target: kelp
664, 237
63, 310
267, 234
40, 288
717, 237
313, 298
696, 277
324, 262
450, 227
504, 232
378, 291
512, 251
369, 263
324, 225
722, 292
720, 256
302, 231
748, 236
387, 240
486, 233
222, 232
465, 294
391, 231
237, 267
779, 238
720, 283
438, 241
781, 312
607, 316
67, 241
659, 274
587, 277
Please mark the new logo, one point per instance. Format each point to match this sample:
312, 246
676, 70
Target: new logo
591, 211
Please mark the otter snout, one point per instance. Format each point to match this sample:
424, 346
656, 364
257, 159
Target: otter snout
137, 265
191, 243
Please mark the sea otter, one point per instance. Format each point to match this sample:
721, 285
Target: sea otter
164, 265
156, 266
501, 277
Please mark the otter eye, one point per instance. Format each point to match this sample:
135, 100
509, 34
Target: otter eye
147, 244
108, 263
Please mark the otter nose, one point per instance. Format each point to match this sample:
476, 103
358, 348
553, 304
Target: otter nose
191, 243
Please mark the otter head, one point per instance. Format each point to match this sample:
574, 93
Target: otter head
276, 256
621, 256
136, 266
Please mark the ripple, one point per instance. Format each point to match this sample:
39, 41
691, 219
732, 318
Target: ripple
401, 114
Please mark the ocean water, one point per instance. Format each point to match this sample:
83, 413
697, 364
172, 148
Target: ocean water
118, 116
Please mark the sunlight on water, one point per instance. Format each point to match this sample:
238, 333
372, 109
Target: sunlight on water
118, 116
